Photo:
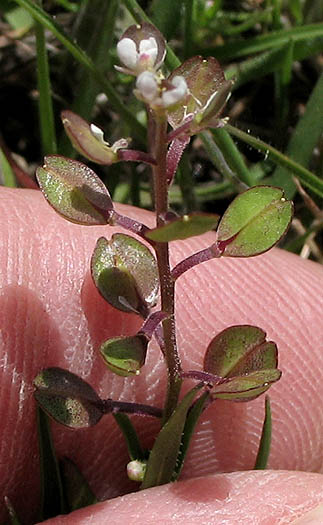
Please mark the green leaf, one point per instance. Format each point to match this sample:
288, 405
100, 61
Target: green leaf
125, 273
163, 456
84, 141
77, 491
208, 90
67, 398
254, 222
52, 497
246, 387
190, 424
239, 350
74, 191
125, 355
265, 440
184, 227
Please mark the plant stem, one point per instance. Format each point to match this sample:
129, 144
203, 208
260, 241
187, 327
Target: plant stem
167, 286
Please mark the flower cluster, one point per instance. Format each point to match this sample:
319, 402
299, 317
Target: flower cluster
142, 51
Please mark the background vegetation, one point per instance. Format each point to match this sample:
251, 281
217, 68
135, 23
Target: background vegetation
61, 55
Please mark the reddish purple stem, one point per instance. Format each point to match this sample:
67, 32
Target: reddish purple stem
132, 225
136, 156
108, 406
212, 252
205, 377
151, 323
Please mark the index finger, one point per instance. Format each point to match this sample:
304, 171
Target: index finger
51, 315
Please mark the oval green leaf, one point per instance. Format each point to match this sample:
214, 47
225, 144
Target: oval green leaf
112, 279
67, 398
204, 78
246, 387
239, 350
254, 222
184, 227
84, 141
125, 355
74, 191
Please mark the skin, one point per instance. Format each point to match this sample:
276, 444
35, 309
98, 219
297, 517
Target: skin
52, 315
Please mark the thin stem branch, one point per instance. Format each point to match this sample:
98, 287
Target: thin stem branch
197, 258
109, 406
167, 288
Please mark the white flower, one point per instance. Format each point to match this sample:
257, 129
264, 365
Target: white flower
137, 62
147, 86
98, 134
171, 96
151, 89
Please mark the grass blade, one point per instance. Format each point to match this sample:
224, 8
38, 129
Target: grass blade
304, 139
76, 489
45, 105
52, 498
265, 42
265, 440
293, 168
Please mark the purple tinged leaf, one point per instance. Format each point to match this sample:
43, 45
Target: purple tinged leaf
254, 222
184, 227
246, 387
74, 191
67, 398
85, 141
125, 355
238, 354
208, 92
112, 279
125, 273
141, 264
239, 349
